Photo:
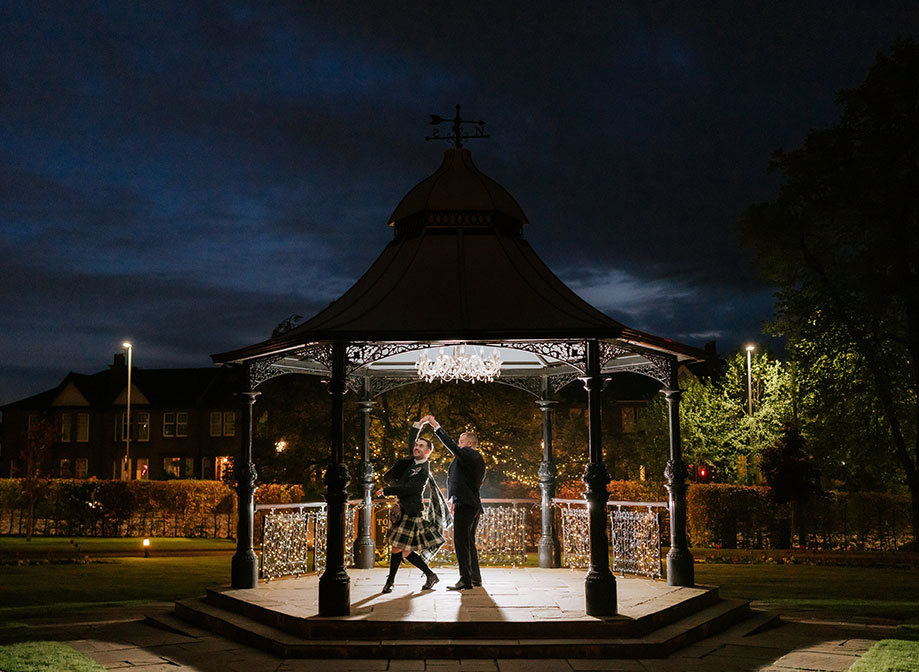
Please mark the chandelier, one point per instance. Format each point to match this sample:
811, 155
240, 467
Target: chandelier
459, 364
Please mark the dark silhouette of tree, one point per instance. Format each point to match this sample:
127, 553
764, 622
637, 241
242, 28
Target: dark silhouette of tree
792, 475
39, 439
841, 242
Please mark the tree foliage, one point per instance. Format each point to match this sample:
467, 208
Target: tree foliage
841, 243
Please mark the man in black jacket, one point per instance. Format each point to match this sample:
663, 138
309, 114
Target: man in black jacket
464, 480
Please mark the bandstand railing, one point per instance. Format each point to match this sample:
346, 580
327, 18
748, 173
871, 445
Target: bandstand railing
634, 534
294, 535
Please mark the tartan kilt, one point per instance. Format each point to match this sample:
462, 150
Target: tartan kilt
414, 533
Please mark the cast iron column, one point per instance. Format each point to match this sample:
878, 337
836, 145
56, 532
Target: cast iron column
680, 571
549, 548
244, 566
600, 586
363, 545
335, 584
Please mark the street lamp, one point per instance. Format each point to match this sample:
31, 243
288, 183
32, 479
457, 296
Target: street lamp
750, 349
126, 470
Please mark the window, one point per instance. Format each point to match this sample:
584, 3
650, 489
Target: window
66, 420
169, 424
207, 468
33, 420
189, 471
223, 465
81, 469
141, 469
82, 427
143, 426
216, 427
66, 471
182, 424
229, 423
172, 467
629, 425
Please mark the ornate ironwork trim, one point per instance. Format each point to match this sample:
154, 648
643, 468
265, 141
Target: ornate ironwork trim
658, 366
572, 353
264, 368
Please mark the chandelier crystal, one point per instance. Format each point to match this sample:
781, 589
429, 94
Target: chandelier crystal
459, 364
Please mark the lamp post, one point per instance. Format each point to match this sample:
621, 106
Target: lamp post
750, 349
126, 468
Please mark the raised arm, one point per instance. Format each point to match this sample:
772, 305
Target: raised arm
445, 438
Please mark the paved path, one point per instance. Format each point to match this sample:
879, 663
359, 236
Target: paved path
121, 640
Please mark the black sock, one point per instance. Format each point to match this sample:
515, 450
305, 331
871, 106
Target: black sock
419, 562
394, 561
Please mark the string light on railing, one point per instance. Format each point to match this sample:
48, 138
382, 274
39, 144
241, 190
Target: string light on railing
460, 364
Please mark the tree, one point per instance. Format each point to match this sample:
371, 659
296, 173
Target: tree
841, 243
792, 475
39, 439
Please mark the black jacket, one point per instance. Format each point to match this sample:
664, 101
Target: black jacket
407, 479
466, 473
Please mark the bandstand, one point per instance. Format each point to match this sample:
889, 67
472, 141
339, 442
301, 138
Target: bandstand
459, 272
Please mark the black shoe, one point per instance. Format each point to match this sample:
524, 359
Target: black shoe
430, 581
387, 587
477, 583
460, 586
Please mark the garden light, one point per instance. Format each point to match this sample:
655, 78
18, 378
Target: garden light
146, 547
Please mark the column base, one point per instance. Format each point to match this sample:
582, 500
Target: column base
244, 569
335, 594
680, 570
549, 553
364, 553
600, 593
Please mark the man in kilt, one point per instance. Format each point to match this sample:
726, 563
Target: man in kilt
416, 531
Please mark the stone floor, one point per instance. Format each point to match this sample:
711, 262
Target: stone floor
121, 640
520, 594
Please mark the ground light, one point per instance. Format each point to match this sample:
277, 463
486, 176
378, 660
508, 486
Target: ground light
146, 547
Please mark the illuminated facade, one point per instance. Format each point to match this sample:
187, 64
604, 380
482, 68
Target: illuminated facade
184, 424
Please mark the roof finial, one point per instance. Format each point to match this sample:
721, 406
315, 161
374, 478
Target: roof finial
458, 134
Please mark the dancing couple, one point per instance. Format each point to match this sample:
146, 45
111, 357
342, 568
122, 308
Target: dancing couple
416, 531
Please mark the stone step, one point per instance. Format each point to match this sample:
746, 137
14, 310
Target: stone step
654, 614
656, 644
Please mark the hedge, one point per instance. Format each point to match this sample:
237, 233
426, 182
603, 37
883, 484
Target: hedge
718, 515
735, 516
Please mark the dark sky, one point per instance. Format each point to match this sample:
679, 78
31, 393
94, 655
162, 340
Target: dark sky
187, 174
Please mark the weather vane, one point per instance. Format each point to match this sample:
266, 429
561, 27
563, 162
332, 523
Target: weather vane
458, 133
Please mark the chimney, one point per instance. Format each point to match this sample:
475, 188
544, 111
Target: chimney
120, 362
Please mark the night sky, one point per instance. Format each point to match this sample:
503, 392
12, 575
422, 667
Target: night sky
188, 174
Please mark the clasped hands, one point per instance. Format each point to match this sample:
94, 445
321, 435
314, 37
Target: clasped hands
429, 420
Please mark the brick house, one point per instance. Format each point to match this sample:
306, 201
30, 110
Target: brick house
185, 423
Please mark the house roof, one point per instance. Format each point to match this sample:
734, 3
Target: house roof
163, 388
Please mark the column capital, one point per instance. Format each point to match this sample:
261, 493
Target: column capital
672, 394
546, 405
366, 405
249, 397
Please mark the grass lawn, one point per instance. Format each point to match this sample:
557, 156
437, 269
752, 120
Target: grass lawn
877, 592
89, 545
40, 590
45, 657
889, 655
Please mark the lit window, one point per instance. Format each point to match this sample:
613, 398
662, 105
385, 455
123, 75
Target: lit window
182, 424
143, 426
81, 467
141, 469
216, 428
229, 423
223, 465
169, 424
66, 467
172, 467
66, 420
82, 427
628, 420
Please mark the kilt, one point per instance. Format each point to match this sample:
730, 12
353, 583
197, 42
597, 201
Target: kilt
414, 533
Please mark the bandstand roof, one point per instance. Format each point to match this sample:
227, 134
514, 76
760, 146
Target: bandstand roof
459, 270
